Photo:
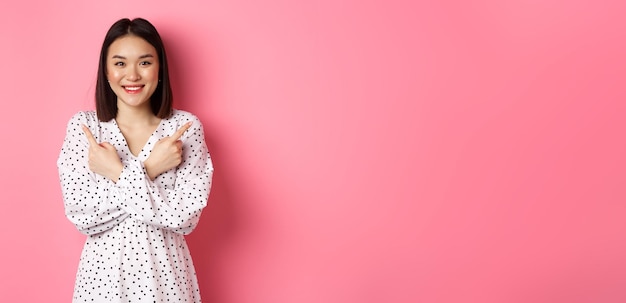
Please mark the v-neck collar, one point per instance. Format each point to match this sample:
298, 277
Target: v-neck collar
145, 150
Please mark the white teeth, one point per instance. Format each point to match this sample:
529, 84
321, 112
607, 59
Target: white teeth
133, 88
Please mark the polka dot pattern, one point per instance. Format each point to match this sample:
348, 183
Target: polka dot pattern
135, 250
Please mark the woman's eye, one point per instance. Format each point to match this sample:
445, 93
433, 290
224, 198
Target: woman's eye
119, 63
145, 63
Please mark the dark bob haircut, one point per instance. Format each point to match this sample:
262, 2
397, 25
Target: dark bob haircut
106, 100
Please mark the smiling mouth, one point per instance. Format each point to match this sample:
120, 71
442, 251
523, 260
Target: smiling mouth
133, 89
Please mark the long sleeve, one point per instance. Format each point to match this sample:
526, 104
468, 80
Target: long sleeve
160, 203
91, 203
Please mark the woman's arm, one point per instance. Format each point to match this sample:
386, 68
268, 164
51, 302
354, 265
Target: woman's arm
176, 207
92, 206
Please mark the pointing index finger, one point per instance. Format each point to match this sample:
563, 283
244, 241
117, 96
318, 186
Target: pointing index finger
89, 135
181, 131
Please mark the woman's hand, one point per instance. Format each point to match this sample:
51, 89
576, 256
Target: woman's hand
166, 154
103, 158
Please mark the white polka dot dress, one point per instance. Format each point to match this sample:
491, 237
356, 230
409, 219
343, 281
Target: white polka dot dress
135, 250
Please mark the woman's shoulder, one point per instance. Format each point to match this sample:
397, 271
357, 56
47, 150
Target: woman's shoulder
88, 117
183, 116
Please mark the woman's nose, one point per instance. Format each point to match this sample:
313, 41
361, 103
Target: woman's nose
133, 75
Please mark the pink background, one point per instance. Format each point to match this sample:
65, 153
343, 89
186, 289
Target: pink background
365, 151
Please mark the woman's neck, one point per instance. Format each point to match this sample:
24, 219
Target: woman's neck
136, 116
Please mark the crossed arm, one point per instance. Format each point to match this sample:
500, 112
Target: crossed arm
100, 191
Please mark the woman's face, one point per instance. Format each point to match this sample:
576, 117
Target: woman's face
133, 71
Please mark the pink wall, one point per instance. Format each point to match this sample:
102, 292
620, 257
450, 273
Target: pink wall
365, 151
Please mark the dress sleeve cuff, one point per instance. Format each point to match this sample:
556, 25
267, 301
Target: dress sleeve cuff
132, 173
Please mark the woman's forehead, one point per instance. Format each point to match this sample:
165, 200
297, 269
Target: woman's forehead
131, 46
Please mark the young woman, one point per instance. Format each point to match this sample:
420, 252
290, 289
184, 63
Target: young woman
135, 176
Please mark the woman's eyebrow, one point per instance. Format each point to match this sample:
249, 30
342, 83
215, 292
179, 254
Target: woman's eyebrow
140, 57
